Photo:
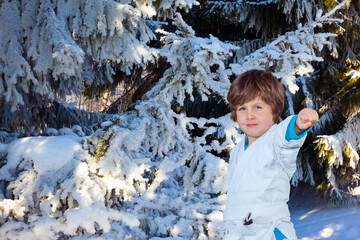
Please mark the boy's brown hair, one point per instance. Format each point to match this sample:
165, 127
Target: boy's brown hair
257, 83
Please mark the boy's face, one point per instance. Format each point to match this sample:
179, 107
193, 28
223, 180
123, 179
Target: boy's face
254, 118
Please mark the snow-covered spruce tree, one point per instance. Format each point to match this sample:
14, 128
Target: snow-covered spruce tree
153, 172
333, 89
48, 49
129, 182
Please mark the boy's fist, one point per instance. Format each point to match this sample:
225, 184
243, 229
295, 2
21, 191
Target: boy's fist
306, 118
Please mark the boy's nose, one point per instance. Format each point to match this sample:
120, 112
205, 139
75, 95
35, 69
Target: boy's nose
249, 114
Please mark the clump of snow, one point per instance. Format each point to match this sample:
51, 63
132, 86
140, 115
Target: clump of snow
51, 132
106, 124
63, 191
356, 191
78, 130
66, 131
46, 153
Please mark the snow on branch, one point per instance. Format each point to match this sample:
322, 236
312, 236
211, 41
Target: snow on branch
191, 59
16, 70
292, 53
344, 144
243, 11
46, 46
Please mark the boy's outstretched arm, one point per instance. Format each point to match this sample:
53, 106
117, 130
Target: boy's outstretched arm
306, 118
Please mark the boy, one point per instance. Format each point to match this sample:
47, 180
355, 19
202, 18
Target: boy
263, 162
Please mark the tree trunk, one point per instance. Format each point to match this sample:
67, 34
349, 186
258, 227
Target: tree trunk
104, 100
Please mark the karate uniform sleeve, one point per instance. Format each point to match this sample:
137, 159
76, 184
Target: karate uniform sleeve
287, 144
290, 131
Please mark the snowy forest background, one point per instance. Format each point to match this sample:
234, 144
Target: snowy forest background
153, 164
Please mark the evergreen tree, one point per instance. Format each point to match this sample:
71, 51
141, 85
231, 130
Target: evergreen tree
159, 169
333, 89
49, 49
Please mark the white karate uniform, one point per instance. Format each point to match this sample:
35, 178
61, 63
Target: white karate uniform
259, 184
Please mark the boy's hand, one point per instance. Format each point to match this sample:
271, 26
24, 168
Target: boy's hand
306, 118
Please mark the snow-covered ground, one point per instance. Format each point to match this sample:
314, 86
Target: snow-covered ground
315, 218
327, 223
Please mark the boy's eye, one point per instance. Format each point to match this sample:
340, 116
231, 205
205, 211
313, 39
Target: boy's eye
258, 107
241, 109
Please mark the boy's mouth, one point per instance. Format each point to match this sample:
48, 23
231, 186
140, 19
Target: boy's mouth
251, 125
